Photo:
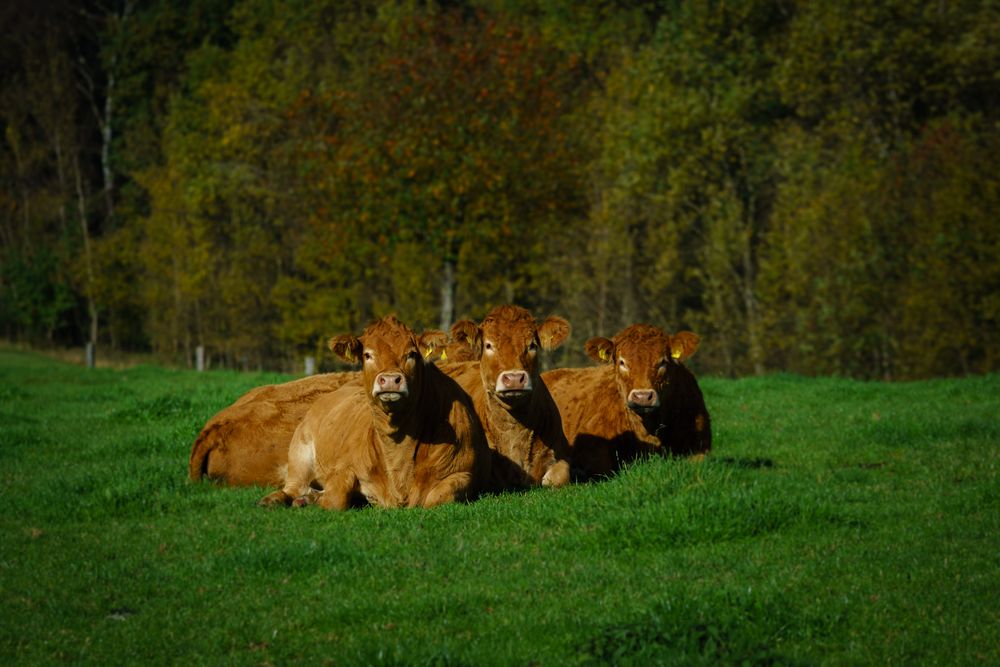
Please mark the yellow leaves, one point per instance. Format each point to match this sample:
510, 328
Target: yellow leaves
236, 135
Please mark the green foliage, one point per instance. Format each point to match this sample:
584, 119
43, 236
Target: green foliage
879, 97
836, 521
685, 176
949, 313
454, 140
809, 186
35, 300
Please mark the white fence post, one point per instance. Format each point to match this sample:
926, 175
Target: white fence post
310, 365
199, 356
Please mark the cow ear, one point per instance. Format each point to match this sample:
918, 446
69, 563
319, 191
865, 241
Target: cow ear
432, 343
347, 347
466, 332
457, 352
553, 331
600, 349
683, 344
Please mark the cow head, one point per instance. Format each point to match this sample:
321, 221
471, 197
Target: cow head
644, 357
506, 344
392, 359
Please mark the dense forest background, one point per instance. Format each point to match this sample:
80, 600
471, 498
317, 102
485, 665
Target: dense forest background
811, 186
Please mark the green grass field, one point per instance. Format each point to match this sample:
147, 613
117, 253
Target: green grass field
836, 522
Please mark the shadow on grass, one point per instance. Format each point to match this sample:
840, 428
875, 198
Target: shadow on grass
724, 630
747, 463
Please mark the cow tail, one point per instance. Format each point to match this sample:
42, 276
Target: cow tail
203, 446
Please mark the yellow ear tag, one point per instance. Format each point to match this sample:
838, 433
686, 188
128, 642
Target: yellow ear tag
427, 352
444, 355
350, 357
676, 354
603, 354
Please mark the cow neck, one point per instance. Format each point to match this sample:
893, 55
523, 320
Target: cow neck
507, 426
649, 427
645, 428
396, 453
399, 436
548, 437
395, 429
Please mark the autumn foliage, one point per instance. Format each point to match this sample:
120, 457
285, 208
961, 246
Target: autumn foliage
811, 187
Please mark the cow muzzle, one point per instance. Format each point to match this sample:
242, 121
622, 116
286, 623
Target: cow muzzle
513, 384
390, 387
643, 400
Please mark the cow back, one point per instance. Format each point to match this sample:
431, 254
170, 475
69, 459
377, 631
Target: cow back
602, 435
246, 443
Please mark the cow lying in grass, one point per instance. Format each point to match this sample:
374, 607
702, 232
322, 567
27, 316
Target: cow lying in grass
520, 418
246, 443
407, 436
641, 400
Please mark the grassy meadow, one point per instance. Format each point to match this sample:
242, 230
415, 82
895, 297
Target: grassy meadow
836, 522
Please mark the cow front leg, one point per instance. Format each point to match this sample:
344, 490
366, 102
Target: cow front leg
276, 499
338, 489
452, 488
557, 475
300, 473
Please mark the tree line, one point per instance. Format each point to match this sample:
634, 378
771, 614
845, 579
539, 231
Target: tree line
812, 187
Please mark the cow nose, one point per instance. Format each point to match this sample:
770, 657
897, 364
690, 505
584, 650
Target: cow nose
642, 397
390, 381
514, 380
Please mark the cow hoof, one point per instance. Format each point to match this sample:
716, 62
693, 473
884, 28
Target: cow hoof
276, 499
557, 475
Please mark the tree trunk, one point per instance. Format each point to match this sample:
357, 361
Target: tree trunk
64, 196
12, 140
749, 286
106, 136
88, 262
447, 293
752, 309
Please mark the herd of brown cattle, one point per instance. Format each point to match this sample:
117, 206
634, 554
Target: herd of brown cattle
427, 422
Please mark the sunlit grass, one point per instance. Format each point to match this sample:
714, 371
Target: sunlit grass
835, 522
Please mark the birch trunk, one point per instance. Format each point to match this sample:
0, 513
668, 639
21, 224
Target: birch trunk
88, 262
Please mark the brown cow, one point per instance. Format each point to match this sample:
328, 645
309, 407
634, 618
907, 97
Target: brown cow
407, 436
520, 418
246, 443
641, 400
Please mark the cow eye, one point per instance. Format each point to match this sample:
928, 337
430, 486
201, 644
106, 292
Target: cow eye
368, 356
532, 346
489, 346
